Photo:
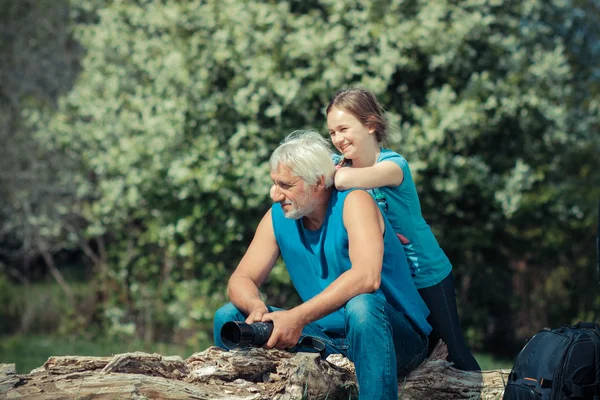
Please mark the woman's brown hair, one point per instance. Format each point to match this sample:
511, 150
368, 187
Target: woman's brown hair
364, 106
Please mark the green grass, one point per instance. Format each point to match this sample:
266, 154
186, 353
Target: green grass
31, 351
36, 307
487, 362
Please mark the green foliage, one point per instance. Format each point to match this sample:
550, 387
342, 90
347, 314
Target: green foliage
179, 104
38, 63
38, 308
7, 313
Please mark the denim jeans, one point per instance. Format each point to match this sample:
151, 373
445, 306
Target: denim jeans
441, 301
382, 343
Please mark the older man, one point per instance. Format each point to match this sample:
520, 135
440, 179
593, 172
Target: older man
346, 264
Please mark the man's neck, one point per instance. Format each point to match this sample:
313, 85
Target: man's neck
315, 218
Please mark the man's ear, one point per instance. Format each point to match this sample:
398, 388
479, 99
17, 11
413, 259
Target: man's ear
320, 185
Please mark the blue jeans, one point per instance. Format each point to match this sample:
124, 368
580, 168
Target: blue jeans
381, 342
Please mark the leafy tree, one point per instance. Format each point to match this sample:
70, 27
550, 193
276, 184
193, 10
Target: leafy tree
179, 105
39, 63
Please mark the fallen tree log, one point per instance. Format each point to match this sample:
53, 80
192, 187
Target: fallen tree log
252, 374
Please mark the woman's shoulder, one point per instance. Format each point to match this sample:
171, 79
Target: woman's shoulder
390, 155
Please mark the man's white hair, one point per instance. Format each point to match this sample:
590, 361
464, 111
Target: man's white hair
307, 155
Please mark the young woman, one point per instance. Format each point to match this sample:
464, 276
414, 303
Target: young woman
358, 128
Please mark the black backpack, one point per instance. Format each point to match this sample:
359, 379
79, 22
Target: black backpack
558, 364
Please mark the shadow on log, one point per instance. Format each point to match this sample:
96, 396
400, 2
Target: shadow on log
249, 374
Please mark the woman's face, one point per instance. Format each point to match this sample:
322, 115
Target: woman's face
347, 133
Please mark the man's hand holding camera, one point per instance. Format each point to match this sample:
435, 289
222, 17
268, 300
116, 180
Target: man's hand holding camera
286, 329
257, 311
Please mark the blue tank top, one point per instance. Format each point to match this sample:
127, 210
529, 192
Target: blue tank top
316, 258
427, 259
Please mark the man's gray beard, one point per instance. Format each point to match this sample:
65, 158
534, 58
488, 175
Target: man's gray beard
300, 212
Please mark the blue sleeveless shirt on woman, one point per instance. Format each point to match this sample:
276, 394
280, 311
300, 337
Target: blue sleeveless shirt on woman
316, 258
430, 263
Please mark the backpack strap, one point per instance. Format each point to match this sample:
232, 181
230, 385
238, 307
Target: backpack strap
585, 391
588, 325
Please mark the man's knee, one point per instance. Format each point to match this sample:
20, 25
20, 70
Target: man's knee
223, 315
363, 310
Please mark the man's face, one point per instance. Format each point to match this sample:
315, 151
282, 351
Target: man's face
292, 193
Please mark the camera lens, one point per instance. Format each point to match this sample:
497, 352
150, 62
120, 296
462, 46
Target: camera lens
238, 335
262, 332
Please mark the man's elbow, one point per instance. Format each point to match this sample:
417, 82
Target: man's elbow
231, 286
229, 290
371, 284
375, 284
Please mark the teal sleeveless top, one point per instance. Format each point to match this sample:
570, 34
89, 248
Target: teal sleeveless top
428, 260
316, 258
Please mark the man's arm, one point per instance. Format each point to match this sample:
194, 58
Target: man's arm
364, 224
385, 173
252, 271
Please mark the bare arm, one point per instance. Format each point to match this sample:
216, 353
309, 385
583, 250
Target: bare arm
385, 173
364, 224
252, 271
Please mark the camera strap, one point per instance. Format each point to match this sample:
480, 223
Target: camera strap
309, 344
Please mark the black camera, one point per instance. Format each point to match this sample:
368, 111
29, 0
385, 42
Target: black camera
239, 335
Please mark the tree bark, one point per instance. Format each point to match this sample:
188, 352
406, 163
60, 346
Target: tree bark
252, 374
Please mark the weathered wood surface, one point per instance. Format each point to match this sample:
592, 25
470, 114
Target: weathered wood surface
250, 374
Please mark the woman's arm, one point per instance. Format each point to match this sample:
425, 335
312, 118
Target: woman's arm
385, 173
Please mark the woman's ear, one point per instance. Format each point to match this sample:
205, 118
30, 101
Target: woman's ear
371, 120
